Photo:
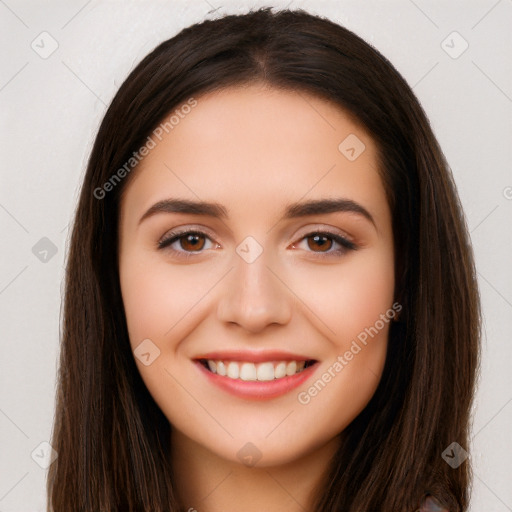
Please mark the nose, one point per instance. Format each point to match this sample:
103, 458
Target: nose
254, 296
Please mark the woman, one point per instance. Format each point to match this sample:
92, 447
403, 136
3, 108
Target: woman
271, 299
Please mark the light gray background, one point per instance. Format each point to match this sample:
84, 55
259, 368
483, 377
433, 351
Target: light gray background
51, 109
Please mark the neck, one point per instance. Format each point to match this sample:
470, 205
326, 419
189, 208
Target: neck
205, 482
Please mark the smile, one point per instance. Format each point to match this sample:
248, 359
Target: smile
247, 371
255, 376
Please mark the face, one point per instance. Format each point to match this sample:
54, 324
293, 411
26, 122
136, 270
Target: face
260, 315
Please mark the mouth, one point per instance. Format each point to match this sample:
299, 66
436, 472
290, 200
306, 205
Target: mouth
256, 376
250, 371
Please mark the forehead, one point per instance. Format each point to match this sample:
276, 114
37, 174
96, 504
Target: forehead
252, 146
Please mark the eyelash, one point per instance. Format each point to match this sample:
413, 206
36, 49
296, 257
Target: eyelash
346, 244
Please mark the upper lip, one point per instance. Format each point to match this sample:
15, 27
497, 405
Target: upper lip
253, 356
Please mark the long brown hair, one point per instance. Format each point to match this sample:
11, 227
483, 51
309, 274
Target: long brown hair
111, 437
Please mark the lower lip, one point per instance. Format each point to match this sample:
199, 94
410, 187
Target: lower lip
255, 389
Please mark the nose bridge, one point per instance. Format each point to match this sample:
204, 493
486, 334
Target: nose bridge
253, 296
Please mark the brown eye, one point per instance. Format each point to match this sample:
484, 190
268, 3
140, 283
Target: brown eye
192, 242
326, 244
186, 242
321, 242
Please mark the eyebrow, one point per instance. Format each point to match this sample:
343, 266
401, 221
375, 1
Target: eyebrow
292, 211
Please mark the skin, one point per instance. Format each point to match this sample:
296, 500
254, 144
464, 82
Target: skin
254, 150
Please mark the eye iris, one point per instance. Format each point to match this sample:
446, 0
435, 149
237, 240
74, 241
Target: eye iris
320, 240
196, 242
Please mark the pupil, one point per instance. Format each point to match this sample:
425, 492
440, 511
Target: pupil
318, 240
193, 241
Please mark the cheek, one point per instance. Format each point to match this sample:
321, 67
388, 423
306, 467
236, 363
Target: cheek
358, 311
157, 296
349, 297
367, 293
162, 303
354, 315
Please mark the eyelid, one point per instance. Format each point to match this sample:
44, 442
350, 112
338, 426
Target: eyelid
322, 228
177, 231
345, 243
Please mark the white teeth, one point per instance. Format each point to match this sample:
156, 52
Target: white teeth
221, 369
233, 371
247, 371
265, 371
250, 371
291, 368
280, 371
